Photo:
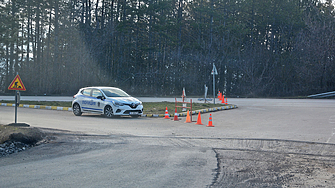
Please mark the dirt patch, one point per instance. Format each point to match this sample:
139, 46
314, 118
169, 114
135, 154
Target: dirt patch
274, 163
23, 134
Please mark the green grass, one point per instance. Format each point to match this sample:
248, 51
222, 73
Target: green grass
46, 103
149, 107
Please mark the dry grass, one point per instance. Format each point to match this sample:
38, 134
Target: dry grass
159, 107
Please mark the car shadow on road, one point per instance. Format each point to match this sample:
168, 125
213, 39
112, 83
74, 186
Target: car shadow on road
113, 117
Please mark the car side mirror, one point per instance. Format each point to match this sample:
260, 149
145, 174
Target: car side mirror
101, 97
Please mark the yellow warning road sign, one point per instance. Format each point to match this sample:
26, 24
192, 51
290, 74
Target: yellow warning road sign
17, 84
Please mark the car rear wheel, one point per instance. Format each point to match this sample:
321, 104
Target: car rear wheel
108, 112
76, 109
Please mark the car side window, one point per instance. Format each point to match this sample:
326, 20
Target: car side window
96, 93
86, 92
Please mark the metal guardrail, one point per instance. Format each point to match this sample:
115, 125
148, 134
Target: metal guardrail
323, 95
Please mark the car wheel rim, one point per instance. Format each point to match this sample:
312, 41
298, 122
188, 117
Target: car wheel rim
109, 112
76, 109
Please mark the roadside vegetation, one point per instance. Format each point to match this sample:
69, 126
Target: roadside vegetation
261, 48
159, 107
149, 107
46, 103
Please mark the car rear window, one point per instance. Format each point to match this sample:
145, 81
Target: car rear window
115, 93
86, 92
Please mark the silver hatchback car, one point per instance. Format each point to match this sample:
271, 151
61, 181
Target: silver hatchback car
109, 101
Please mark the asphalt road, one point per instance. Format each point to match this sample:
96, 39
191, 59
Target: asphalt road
263, 143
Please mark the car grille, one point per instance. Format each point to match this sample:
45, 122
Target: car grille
132, 105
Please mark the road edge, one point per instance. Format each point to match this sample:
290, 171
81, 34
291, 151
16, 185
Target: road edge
59, 108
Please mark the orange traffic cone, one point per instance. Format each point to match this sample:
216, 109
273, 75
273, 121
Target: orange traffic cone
167, 115
188, 118
222, 102
175, 116
226, 101
210, 123
199, 120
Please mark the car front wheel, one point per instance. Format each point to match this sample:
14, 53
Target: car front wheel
76, 110
108, 112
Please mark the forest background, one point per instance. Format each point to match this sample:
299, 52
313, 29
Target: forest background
261, 48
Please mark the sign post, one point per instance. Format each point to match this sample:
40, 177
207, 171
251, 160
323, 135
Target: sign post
183, 96
18, 86
214, 72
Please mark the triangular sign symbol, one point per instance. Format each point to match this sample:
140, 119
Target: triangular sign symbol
17, 84
214, 70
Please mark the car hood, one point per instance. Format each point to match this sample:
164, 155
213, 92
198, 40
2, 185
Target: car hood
125, 100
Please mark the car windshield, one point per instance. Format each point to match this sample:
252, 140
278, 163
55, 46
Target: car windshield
111, 92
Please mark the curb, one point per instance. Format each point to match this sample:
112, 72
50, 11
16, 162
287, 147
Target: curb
184, 114
39, 107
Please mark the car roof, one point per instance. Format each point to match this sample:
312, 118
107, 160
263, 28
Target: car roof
99, 87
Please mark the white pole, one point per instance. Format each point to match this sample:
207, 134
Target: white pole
213, 84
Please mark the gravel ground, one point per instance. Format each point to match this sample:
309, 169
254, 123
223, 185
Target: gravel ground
10, 147
18, 137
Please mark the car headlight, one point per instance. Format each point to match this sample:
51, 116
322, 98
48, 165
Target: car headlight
117, 103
